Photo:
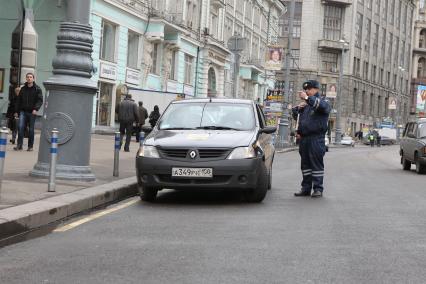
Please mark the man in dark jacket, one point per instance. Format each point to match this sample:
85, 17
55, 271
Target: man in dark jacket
29, 101
143, 115
313, 115
128, 113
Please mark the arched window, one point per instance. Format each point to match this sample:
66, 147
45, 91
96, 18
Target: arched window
212, 81
422, 39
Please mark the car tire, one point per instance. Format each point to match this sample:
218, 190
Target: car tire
256, 195
148, 194
420, 169
406, 165
270, 178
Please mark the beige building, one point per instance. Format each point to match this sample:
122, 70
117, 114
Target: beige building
376, 61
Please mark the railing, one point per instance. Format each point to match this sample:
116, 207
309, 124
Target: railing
139, 6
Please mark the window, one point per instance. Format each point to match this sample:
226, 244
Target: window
358, 67
228, 28
188, 69
358, 30
379, 99
392, 11
386, 106
377, 2
173, 72
395, 57
404, 19
249, 10
367, 35
401, 57
387, 79
390, 44
154, 57
214, 24
323, 89
381, 76
371, 104
365, 70
376, 39
354, 102
363, 108
297, 26
369, 4
383, 41
385, 10
294, 60
238, 29
373, 75
329, 62
354, 67
132, 50
108, 41
397, 18
332, 22
394, 81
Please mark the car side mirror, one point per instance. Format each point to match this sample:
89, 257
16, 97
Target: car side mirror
147, 129
268, 130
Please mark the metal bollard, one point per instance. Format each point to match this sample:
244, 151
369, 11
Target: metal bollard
141, 138
53, 158
3, 142
116, 153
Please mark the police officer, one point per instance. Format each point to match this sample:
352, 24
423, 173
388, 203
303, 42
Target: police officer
313, 114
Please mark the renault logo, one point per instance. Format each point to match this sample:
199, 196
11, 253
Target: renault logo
193, 154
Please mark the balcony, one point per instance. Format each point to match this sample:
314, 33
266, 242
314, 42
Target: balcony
329, 45
337, 2
420, 50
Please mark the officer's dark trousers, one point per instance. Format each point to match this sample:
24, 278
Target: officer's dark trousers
312, 151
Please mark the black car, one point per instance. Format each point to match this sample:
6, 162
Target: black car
210, 144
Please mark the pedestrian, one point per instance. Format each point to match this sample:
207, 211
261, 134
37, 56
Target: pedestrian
143, 115
371, 139
128, 113
28, 102
313, 114
378, 140
12, 121
154, 116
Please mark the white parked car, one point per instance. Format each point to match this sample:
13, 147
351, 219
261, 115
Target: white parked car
348, 141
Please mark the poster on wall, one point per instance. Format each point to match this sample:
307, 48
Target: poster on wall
392, 103
421, 101
274, 58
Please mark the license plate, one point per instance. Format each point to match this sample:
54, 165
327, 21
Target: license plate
192, 172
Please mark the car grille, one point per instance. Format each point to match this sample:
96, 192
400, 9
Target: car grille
207, 153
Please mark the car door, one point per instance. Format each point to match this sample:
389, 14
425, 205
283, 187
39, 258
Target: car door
411, 140
265, 140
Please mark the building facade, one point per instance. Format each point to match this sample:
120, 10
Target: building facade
157, 50
374, 40
418, 81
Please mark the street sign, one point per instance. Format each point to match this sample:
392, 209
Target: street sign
392, 103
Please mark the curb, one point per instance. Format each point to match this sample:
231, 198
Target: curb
18, 219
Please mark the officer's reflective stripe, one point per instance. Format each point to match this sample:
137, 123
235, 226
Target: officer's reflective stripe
317, 172
306, 171
317, 102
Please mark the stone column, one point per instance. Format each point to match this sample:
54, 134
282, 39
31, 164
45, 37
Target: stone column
69, 105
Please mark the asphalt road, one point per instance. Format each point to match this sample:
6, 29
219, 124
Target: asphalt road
368, 228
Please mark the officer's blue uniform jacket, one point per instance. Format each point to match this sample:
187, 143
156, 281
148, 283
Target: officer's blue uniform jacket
313, 119
313, 124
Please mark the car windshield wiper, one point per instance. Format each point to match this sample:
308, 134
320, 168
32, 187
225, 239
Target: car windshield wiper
177, 128
216, 127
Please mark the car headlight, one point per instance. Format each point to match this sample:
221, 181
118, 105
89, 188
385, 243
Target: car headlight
148, 152
242, 153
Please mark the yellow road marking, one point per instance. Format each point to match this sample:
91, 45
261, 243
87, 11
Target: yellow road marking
95, 216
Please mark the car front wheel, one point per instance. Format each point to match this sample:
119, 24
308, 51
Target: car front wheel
406, 165
147, 193
257, 194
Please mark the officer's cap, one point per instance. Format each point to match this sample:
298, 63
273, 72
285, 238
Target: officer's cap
311, 84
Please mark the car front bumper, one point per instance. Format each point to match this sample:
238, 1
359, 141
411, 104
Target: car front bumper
227, 174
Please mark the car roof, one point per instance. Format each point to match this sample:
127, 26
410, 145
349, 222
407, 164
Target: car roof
213, 100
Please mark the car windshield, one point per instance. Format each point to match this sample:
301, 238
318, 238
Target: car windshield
422, 130
221, 116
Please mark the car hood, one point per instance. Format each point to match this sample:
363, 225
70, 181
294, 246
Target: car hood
200, 138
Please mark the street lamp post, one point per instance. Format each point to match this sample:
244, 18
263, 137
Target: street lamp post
338, 133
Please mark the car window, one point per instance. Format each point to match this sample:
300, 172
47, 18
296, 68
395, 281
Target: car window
261, 116
422, 130
404, 134
410, 129
208, 115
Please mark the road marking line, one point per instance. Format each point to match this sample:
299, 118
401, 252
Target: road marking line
95, 216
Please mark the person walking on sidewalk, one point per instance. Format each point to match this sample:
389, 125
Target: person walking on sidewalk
127, 111
29, 101
143, 115
313, 114
12, 121
154, 116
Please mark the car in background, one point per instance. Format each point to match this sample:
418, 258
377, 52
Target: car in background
413, 146
347, 141
327, 142
385, 140
208, 144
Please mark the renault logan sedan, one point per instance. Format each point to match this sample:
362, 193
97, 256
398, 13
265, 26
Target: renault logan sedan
208, 144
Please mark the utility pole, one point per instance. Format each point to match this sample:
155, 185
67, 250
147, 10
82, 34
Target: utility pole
338, 133
236, 45
283, 131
